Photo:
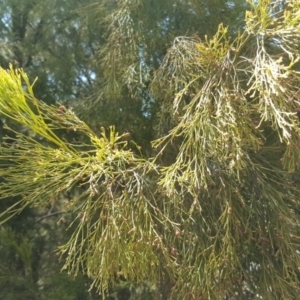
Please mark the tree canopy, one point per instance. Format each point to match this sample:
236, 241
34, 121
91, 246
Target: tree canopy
181, 152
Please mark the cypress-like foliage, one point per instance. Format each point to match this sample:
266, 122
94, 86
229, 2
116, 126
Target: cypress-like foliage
211, 209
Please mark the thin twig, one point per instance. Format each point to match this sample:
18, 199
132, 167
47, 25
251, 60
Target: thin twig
50, 215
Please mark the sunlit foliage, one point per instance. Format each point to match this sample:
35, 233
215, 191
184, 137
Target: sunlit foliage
215, 210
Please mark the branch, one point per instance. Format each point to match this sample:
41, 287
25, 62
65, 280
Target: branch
50, 215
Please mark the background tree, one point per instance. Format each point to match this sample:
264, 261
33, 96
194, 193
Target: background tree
214, 212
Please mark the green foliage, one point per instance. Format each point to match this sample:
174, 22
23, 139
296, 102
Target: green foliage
217, 218
113, 180
18, 274
12, 281
51, 42
137, 34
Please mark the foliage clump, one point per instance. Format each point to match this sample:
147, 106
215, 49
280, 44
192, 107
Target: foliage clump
221, 217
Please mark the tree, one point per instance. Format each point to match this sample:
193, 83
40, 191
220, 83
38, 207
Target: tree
46, 39
20, 267
214, 212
